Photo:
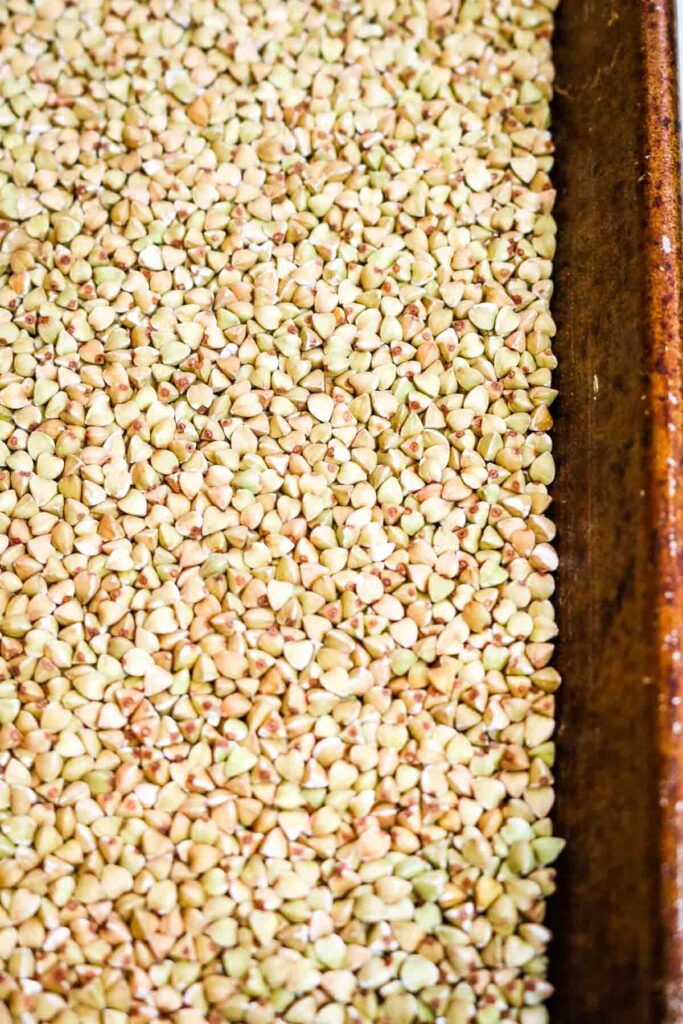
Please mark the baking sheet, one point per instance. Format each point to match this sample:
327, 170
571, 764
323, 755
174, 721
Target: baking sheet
618, 954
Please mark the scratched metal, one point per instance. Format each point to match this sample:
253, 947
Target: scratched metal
618, 953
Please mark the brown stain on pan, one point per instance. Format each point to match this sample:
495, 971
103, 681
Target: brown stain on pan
663, 250
618, 953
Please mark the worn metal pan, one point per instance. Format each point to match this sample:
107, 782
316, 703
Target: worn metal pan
618, 915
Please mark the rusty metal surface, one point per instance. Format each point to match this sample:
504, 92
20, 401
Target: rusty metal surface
618, 951
663, 238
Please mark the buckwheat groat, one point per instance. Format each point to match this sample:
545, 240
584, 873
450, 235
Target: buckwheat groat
276, 566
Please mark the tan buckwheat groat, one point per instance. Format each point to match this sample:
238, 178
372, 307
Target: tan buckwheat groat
276, 565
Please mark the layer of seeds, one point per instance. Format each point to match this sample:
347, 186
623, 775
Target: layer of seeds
276, 703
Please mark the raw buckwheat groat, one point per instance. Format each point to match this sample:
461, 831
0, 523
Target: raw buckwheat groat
276, 703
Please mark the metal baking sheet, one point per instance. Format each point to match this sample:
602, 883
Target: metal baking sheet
618, 915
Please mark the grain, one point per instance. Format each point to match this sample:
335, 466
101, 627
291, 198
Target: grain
276, 565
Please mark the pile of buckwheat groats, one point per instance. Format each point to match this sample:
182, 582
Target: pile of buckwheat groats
276, 709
